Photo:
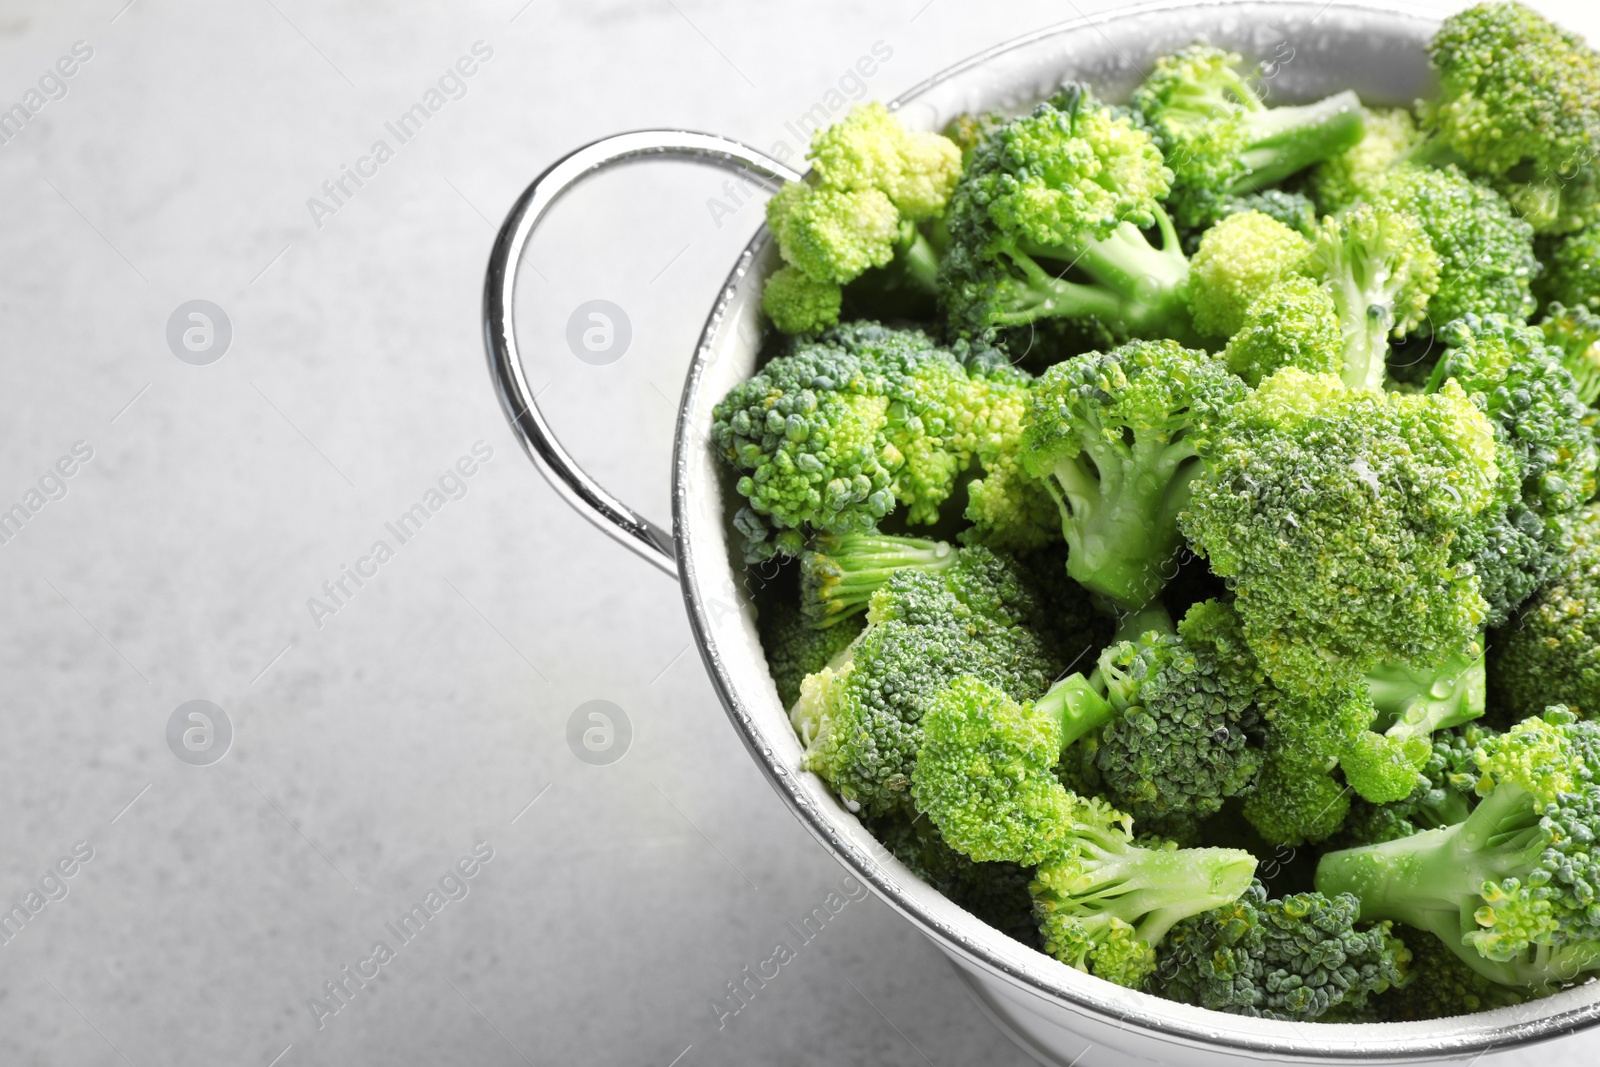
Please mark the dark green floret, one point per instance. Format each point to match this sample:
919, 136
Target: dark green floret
796, 649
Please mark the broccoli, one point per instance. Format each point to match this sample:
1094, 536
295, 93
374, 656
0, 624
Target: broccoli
1389, 136
1575, 331
861, 719
1294, 210
997, 893
1572, 270
1551, 654
1237, 259
832, 435
1337, 515
1187, 733
1221, 140
1444, 794
1114, 437
1441, 986
795, 648
840, 572
1292, 323
1511, 890
1548, 457
1293, 958
872, 181
1381, 270
1070, 185
1519, 102
1486, 260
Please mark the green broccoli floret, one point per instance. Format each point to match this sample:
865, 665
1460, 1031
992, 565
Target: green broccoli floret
1512, 889
1187, 734
1441, 985
1294, 210
1114, 438
1444, 795
1486, 260
861, 719
1297, 957
872, 181
839, 573
1381, 270
1551, 653
1238, 258
997, 893
1337, 516
795, 648
1519, 102
1104, 903
1572, 270
1292, 323
834, 434
1388, 136
1071, 184
1576, 332
1548, 456
1221, 140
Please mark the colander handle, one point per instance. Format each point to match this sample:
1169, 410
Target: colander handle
582, 492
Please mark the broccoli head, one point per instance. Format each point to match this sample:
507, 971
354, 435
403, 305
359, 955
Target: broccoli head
1113, 436
1444, 795
797, 303
796, 649
997, 893
1572, 270
1292, 323
1576, 332
1337, 516
1519, 102
1221, 140
1551, 653
1071, 184
1295, 958
1388, 137
1510, 890
1239, 257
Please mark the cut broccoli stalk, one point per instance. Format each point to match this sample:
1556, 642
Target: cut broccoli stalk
1079, 704
1135, 288
841, 572
1417, 703
1285, 140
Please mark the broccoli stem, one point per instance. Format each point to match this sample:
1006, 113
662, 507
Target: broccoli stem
1151, 889
1417, 703
1132, 625
840, 576
1119, 508
1285, 140
1137, 289
1078, 704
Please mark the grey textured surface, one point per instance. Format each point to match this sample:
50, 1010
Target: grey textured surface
376, 744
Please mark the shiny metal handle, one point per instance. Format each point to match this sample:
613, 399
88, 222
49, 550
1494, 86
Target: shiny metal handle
585, 494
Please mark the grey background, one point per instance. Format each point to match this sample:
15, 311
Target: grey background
429, 713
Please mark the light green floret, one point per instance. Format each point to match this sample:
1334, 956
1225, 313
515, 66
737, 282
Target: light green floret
1512, 889
872, 149
1381, 270
798, 303
1114, 437
1238, 258
1576, 332
1221, 140
1388, 137
1486, 260
1292, 323
1337, 516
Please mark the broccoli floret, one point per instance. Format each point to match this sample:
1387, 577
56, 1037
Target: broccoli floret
997, 893
1519, 102
862, 719
1548, 450
1188, 733
1104, 903
1114, 438
1572, 270
795, 648
834, 434
1576, 332
1444, 794
1388, 136
1297, 957
1293, 323
1337, 516
1071, 184
1294, 210
871, 182
1221, 140
1381, 270
1511, 890
840, 572
1486, 260
1551, 654
1237, 259
1441, 985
